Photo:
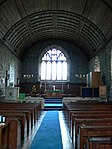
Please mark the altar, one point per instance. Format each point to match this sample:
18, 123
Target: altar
53, 93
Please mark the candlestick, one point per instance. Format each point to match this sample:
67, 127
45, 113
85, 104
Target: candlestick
68, 86
45, 86
40, 85
62, 86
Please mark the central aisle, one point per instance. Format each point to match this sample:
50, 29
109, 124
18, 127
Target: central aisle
48, 135
56, 118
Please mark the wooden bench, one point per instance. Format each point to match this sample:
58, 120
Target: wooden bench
84, 108
86, 114
99, 143
73, 106
14, 133
20, 116
71, 115
26, 112
23, 122
88, 122
4, 127
78, 114
94, 112
90, 131
34, 108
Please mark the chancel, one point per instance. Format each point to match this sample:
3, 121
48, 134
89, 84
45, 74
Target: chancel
55, 74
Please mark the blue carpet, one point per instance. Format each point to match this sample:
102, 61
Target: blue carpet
53, 104
49, 135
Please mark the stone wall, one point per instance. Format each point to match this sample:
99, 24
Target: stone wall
6, 58
105, 66
78, 60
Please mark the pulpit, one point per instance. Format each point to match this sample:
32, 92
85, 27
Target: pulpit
53, 93
12, 93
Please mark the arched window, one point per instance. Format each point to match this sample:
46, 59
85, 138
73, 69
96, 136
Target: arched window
54, 66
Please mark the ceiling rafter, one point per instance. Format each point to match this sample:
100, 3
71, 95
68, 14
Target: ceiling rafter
77, 22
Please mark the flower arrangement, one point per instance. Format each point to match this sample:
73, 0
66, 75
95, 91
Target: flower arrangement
34, 89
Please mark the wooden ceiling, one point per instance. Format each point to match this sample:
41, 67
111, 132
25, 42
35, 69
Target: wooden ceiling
87, 23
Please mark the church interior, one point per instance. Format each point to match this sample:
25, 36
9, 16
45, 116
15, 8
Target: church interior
55, 74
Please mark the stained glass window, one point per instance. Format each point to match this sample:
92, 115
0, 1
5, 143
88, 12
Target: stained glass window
54, 65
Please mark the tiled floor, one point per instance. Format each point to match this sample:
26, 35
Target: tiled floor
66, 140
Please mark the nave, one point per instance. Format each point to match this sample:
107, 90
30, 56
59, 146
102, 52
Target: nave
65, 137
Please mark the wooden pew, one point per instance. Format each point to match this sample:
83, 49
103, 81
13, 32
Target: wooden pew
71, 116
88, 122
22, 109
14, 133
86, 110
94, 112
85, 106
92, 131
85, 114
21, 113
26, 112
99, 143
92, 106
4, 135
20, 117
81, 103
22, 106
88, 116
